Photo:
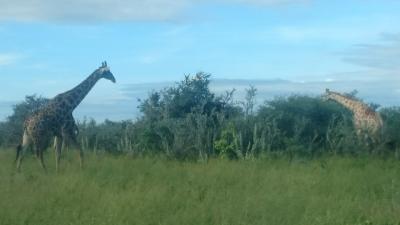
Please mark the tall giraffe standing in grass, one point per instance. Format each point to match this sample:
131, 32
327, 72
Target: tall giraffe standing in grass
55, 120
367, 122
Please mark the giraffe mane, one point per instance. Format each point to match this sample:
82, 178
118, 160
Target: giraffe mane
368, 109
342, 95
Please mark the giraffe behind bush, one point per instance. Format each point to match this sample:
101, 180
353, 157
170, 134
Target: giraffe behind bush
367, 122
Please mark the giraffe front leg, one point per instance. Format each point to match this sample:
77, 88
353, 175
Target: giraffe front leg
72, 141
78, 146
20, 155
58, 142
21, 149
361, 138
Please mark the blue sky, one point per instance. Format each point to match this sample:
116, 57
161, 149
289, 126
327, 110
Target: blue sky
47, 47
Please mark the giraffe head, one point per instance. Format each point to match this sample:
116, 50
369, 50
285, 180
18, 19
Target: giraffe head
332, 95
327, 95
104, 72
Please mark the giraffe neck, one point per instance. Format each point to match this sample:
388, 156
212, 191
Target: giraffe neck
75, 96
348, 103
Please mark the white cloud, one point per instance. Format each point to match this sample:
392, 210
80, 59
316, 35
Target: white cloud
335, 31
290, 33
149, 58
266, 2
384, 56
8, 58
89, 10
328, 80
108, 10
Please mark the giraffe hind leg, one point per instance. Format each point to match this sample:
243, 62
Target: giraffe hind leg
18, 151
40, 146
39, 155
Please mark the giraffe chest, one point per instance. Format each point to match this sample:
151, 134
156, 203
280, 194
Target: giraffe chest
367, 120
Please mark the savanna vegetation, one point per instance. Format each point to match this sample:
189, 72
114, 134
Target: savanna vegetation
155, 190
188, 121
194, 157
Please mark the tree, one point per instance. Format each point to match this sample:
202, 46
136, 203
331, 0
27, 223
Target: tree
21, 111
250, 100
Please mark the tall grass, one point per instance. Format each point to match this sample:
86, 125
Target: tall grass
125, 190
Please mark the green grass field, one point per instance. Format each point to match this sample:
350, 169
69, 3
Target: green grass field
124, 190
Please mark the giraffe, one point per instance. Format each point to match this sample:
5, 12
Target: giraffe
55, 120
367, 122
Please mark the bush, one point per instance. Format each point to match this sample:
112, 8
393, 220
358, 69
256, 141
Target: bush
11, 130
188, 121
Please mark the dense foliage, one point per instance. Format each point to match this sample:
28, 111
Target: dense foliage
188, 121
11, 130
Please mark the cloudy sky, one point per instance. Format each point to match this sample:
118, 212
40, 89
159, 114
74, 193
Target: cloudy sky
49, 46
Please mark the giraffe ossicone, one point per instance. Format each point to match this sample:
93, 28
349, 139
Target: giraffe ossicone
55, 120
